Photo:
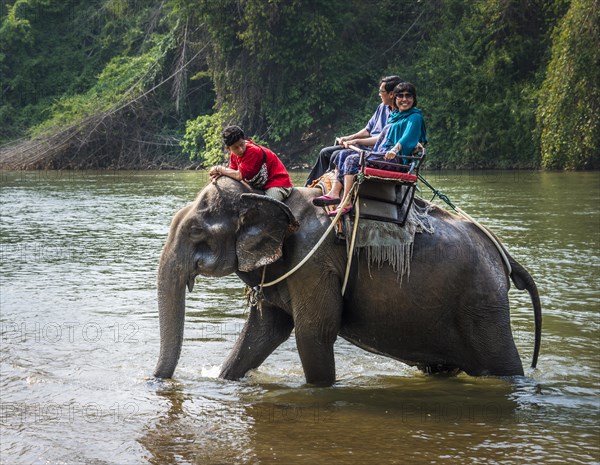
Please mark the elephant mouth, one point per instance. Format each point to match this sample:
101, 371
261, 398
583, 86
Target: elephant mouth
191, 281
197, 271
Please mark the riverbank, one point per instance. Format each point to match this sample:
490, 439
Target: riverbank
27, 158
76, 149
64, 152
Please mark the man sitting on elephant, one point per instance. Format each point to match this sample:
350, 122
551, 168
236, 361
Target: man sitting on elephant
256, 165
366, 137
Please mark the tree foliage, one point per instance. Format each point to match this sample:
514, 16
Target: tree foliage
288, 67
569, 102
502, 83
202, 140
478, 74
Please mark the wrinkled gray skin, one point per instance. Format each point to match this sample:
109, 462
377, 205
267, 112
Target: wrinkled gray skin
451, 314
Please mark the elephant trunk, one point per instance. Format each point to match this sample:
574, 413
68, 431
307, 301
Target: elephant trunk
171, 308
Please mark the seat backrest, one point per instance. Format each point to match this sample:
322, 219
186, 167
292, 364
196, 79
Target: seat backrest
410, 163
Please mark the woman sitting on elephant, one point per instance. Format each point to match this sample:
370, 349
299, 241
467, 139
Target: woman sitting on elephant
405, 129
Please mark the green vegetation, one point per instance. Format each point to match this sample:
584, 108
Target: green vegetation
569, 102
123, 83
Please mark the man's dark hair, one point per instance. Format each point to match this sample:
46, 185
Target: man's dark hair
231, 134
406, 87
389, 82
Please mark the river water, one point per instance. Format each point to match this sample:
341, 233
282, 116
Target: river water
79, 341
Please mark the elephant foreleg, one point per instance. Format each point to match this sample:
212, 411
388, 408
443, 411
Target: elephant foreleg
315, 337
316, 355
262, 334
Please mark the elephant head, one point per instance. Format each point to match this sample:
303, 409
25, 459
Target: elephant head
226, 229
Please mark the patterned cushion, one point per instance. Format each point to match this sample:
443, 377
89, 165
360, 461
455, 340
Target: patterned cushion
387, 165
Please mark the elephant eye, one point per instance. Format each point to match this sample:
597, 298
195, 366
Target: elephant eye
196, 231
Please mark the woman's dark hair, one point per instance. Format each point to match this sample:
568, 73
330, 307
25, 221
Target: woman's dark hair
389, 82
231, 134
406, 87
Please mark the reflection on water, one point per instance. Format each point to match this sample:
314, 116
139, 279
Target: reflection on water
79, 340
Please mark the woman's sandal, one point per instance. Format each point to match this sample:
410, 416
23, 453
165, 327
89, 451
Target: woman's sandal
344, 211
324, 200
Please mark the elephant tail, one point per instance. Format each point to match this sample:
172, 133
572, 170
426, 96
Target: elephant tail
523, 280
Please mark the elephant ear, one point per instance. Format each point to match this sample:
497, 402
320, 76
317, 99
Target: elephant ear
264, 224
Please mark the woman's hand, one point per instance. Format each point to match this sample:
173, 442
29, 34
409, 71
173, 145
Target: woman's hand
395, 150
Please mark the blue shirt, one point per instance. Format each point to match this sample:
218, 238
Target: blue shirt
378, 120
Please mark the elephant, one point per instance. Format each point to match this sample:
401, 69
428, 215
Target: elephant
451, 315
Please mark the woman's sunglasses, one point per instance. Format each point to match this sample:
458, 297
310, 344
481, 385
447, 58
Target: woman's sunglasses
405, 95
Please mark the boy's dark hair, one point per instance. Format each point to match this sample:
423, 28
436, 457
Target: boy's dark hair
389, 82
407, 87
231, 134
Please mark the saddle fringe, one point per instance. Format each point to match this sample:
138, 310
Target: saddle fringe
389, 243
383, 242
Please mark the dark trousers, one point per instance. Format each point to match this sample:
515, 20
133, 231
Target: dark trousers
324, 163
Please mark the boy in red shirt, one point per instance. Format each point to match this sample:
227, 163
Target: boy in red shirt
256, 165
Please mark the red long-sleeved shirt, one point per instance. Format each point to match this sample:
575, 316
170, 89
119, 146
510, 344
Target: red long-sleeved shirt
250, 162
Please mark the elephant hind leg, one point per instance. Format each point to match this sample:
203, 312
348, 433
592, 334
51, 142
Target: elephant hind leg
487, 347
262, 334
496, 357
510, 366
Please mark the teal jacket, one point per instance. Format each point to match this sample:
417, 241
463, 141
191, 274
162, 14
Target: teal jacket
407, 127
